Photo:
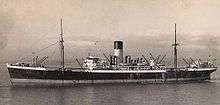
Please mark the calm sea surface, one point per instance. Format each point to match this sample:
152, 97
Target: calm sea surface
205, 93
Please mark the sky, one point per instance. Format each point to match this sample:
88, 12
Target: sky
90, 26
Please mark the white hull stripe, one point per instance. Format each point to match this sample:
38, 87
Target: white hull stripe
48, 82
126, 71
201, 69
27, 68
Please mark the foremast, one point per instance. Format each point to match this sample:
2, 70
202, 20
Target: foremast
61, 45
175, 49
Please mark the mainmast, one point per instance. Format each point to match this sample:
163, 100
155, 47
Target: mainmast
175, 49
61, 44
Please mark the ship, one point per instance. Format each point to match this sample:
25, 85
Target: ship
115, 68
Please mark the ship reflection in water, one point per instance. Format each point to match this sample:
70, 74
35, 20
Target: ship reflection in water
205, 93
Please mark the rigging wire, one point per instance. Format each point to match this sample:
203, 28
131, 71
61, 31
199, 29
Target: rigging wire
37, 41
53, 56
29, 55
45, 48
70, 50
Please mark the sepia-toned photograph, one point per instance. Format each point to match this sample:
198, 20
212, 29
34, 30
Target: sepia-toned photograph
109, 52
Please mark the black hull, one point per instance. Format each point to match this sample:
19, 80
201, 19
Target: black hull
80, 76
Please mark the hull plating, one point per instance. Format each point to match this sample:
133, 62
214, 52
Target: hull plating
32, 76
